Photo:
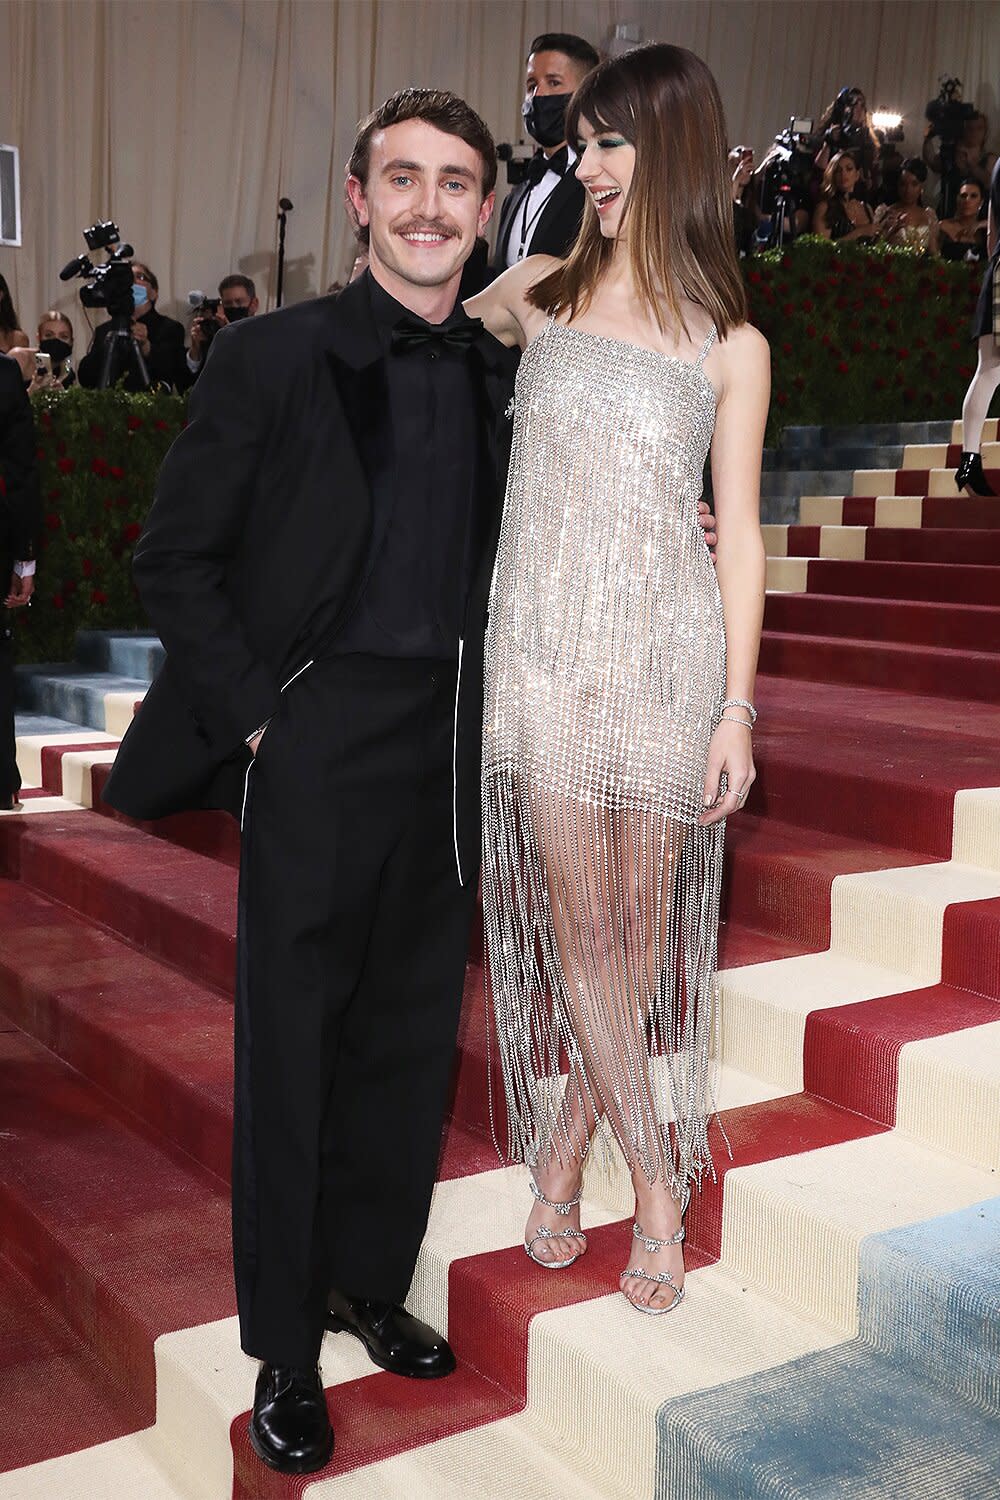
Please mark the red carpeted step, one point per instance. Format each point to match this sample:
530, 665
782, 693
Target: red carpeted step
857, 510
973, 545
975, 627
54, 1396
126, 1237
851, 1052
779, 881
210, 832
155, 1040
971, 947
935, 670
956, 513
936, 581
803, 541
165, 900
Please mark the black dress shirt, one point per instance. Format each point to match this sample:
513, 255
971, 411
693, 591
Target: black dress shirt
425, 510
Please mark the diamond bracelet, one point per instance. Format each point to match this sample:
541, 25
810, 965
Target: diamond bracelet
740, 703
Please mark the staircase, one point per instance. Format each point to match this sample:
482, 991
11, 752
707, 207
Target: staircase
841, 1332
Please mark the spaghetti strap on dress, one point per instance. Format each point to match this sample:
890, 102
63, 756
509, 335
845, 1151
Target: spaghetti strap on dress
605, 673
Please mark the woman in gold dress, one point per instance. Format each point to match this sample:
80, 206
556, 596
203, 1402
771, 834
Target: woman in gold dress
620, 665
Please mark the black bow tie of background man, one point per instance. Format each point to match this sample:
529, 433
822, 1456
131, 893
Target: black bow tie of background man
412, 333
539, 164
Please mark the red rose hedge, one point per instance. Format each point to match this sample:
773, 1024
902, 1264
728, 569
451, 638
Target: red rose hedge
98, 454
856, 335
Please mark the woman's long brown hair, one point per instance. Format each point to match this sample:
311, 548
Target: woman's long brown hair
665, 102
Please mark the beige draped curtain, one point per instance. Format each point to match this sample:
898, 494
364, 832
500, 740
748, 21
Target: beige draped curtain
185, 120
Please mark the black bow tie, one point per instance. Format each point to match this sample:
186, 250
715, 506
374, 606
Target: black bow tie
412, 333
540, 164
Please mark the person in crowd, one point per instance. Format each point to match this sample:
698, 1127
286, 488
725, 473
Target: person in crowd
970, 479
740, 163
237, 300
159, 339
19, 521
55, 338
971, 158
845, 126
619, 667
909, 222
964, 236
841, 215
542, 214
12, 335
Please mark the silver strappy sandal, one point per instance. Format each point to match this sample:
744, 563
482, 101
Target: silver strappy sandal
663, 1277
555, 1234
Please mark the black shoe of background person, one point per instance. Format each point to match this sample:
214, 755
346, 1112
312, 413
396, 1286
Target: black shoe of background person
290, 1426
394, 1338
970, 475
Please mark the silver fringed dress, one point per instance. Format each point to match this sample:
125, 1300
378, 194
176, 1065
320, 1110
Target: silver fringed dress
605, 672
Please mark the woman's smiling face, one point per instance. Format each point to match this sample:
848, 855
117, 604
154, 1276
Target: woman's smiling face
605, 168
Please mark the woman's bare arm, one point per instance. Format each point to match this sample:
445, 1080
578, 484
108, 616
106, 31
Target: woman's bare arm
503, 305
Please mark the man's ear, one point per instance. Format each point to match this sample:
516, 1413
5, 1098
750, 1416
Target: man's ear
486, 210
355, 190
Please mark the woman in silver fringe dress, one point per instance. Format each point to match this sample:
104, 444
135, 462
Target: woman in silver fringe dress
620, 663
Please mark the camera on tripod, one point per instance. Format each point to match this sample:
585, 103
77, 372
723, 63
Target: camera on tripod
205, 311
949, 112
110, 286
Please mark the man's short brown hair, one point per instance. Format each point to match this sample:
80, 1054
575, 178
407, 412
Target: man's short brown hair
444, 110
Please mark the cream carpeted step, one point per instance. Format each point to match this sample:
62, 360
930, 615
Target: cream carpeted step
924, 456
872, 481
120, 1470
843, 542
775, 540
764, 1008
991, 430
30, 747
894, 918
119, 711
787, 575
793, 1226
821, 510
899, 510
976, 828
949, 1094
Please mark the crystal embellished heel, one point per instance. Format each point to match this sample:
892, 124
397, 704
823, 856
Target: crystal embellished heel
555, 1234
663, 1277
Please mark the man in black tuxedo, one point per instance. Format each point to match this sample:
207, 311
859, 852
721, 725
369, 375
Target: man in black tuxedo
19, 520
541, 215
317, 563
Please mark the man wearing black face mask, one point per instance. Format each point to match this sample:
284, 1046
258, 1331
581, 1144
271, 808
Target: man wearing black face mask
239, 300
541, 216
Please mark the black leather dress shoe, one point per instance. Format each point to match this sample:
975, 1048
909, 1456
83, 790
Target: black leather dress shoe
394, 1338
290, 1426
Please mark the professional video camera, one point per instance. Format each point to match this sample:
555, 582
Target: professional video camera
784, 177
109, 285
517, 159
948, 113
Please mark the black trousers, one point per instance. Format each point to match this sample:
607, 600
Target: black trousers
10, 776
353, 930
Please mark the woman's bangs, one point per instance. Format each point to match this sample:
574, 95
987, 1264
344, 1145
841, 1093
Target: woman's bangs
602, 105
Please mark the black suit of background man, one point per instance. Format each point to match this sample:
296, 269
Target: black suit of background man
261, 568
19, 521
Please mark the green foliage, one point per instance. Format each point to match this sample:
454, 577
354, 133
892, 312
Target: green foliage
862, 334
98, 456
857, 335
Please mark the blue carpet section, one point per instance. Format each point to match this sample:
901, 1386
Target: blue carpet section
63, 691
28, 723
125, 653
908, 1411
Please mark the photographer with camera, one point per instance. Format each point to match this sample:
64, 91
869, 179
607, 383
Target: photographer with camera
740, 168
960, 131
845, 126
159, 340
784, 185
237, 299
542, 212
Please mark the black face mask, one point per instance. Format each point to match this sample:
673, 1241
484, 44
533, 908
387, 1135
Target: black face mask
234, 314
57, 348
545, 117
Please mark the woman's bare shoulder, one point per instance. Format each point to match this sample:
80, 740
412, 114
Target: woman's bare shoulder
745, 347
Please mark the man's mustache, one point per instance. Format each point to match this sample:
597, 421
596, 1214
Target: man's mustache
432, 228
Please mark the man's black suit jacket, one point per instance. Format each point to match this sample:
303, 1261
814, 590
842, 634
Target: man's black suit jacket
19, 493
556, 227
256, 546
166, 361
